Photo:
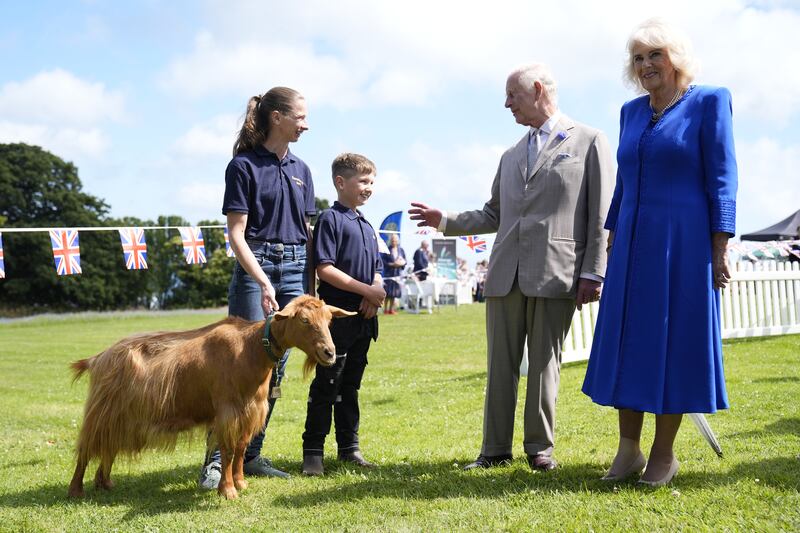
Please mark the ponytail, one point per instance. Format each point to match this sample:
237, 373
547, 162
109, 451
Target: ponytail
256, 124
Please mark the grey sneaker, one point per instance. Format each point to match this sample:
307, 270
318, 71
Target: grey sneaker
210, 476
261, 466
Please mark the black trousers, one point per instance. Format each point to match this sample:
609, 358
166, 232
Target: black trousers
334, 391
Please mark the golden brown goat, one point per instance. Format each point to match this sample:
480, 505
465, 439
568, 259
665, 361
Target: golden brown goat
147, 388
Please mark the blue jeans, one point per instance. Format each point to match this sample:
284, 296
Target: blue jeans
285, 266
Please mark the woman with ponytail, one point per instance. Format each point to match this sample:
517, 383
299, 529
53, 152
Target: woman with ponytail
269, 197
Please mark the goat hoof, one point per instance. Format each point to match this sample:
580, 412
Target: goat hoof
104, 484
240, 484
228, 493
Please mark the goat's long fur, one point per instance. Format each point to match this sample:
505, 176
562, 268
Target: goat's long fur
147, 388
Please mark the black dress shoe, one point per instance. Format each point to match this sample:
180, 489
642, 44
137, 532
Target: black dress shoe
355, 458
489, 461
542, 462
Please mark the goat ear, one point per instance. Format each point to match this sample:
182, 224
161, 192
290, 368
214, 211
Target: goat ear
339, 313
283, 314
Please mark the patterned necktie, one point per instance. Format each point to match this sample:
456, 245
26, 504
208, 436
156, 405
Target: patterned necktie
534, 146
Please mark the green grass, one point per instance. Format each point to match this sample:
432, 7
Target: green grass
422, 402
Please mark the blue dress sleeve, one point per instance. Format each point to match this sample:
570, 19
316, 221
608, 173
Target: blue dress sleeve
616, 199
385, 260
719, 160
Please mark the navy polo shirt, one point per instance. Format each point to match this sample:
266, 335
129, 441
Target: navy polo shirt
277, 195
344, 239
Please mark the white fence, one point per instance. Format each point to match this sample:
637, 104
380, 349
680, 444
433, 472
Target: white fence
762, 299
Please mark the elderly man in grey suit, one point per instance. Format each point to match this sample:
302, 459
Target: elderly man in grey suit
548, 203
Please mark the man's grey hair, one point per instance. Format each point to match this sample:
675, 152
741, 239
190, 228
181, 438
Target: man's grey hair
529, 74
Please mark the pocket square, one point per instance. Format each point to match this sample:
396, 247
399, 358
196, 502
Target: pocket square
563, 155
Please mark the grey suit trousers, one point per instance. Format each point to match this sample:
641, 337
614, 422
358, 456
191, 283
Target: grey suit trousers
545, 322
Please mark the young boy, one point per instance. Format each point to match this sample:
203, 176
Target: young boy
348, 265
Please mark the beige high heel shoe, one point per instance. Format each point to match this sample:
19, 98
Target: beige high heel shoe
671, 473
635, 467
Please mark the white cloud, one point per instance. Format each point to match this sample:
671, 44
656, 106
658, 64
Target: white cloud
450, 177
353, 53
769, 189
59, 112
252, 67
749, 52
65, 142
211, 138
391, 182
58, 97
200, 194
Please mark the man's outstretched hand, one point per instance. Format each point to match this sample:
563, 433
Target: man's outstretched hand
426, 216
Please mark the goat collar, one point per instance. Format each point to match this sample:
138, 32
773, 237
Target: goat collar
269, 342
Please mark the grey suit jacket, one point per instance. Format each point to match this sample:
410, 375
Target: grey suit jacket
549, 221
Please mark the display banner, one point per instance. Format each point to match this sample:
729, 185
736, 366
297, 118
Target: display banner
444, 251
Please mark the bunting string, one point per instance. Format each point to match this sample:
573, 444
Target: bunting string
67, 259
67, 255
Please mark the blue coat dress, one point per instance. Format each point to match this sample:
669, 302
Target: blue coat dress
392, 286
657, 345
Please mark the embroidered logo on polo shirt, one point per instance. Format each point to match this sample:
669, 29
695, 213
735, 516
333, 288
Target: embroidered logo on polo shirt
298, 181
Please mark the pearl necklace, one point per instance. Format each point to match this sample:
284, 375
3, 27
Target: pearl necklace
657, 115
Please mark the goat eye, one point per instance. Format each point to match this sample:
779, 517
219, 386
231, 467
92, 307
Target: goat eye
305, 320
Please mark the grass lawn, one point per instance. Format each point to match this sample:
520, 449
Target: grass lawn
421, 401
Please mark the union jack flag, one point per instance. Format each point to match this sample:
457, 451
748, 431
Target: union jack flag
193, 246
476, 243
134, 248
66, 251
228, 249
2, 261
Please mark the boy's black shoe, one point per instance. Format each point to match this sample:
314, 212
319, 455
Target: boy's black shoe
489, 461
356, 458
312, 465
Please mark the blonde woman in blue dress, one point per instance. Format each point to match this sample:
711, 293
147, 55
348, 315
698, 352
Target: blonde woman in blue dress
657, 345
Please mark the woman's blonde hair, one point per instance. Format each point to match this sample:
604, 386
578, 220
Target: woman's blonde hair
658, 33
255, 127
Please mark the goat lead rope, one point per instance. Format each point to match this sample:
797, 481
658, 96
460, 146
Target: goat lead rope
266, 342
275, 391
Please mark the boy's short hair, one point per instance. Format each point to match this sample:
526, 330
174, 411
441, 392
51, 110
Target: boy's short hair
348, 165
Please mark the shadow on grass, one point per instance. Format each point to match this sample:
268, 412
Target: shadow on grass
427, 481
778, 379
783, 426
384, 401
466, 377
438, 480
174, 490
29, 462
165, 491
787, 426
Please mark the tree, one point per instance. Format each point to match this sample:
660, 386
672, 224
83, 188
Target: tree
205, 285
321, 204
38, 189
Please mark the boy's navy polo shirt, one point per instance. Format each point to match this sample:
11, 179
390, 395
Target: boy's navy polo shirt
344, 238
276, 195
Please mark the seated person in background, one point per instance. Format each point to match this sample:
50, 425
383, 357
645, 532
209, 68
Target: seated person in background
393, 264
421, 261
462, 270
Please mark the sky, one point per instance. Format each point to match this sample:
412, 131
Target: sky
145, 97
